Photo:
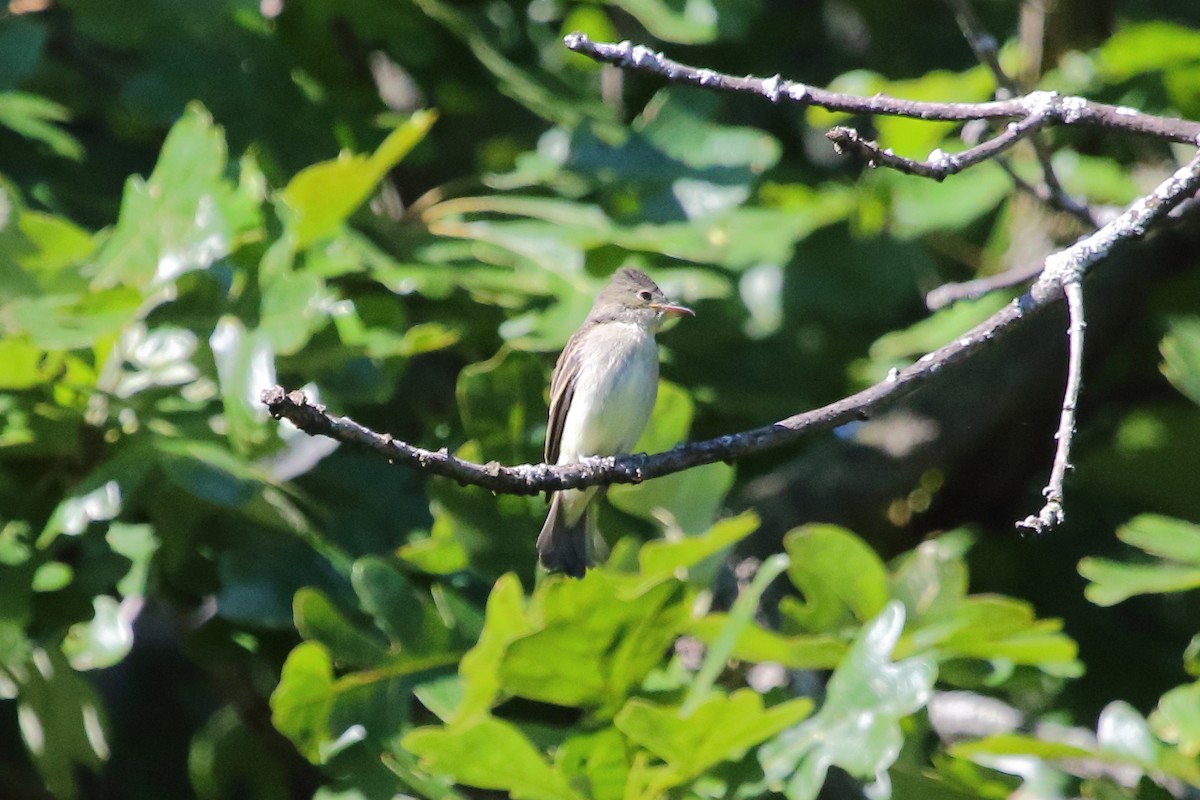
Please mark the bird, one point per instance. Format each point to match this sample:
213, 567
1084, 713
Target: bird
601, 394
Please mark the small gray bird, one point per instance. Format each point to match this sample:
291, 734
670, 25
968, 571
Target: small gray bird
601, 396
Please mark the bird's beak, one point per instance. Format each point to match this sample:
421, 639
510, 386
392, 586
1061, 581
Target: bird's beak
672, 310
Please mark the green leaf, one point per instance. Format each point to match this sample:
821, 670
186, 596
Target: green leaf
74, 321
22, 364
1191, 657
438, 554
105, 639
1122, 737
696, 23
37, 118
1180, 350
502, 401
900, 348
294, 306
138, 543
858, 727
318, 620
591, 643
58, 243
1100, 180
227, 756
756, 645
688, 500
184, 218
490, 754
1175, 542
1114, 581
245, 365
1164, 537
399, 611
1122, 732
932, 578
52, 576
993, 628
1147, 46
1009, 744
209, 472
722, 728
302, 702
597, 763
660, 559
740, 617
1177, 718
404, 765
840, 576
321, 197
61, 720
680, 126
504, 622
921, 206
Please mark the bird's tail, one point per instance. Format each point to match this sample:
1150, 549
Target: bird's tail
563, 545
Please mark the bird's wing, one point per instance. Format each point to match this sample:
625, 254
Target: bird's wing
562, 390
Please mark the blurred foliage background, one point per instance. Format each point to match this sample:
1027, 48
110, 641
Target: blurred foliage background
406, 208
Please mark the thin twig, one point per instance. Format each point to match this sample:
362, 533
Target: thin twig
987, 51
939, 165
984, 46
949, 293
1051, 197
1060, 110
1063, 274
1061, 269
1052, 512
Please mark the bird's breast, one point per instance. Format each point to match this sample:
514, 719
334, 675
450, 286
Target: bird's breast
614, 392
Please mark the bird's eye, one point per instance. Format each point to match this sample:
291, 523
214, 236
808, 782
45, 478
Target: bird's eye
645, 295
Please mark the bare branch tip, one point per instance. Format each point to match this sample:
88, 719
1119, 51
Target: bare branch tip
1050, 517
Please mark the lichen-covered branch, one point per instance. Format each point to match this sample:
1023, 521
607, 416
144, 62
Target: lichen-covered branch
1057, 109
1053, 512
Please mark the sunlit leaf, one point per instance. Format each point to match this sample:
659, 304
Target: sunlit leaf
61, 720
661, 559
480, 667
185, 217
491, 754
1177, 718
604, 643
721, 728
303, 700
756, 645
1174, 542
37, 118
323, 196
840, 577
858, 726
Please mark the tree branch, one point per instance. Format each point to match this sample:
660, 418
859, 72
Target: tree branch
1052, 512
939, 165
949, 293
1061, 269
1058, 109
